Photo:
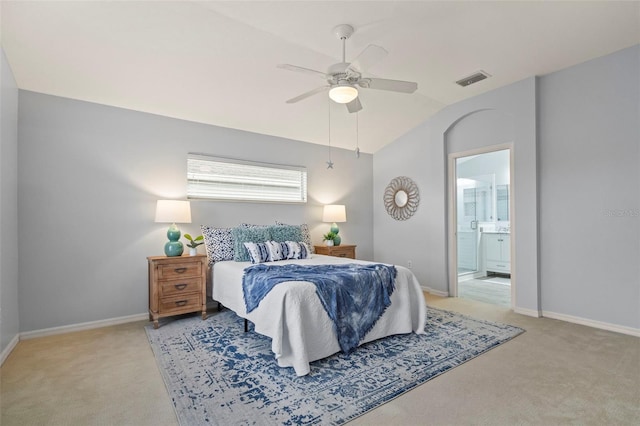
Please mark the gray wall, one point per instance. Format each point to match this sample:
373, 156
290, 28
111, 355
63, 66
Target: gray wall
590, 189
505, 115
9, 319
576, 144
412, 240
89, 177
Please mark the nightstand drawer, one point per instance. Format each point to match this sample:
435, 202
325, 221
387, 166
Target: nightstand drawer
179, 270
177, 287
346, 250
342, 252
187, 302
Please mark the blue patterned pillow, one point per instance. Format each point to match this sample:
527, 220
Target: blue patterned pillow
306, 235
275, 251
243, 235
283, 233
272, 251
294, 250
218, 243
258, 252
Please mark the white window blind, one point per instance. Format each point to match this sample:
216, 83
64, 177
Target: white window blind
228, 179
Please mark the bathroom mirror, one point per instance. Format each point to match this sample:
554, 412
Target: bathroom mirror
502, 202
401, 198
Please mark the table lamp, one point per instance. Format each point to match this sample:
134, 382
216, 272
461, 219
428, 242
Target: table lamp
335, 213
173, 211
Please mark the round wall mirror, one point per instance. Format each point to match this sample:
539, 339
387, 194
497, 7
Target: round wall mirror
401, 198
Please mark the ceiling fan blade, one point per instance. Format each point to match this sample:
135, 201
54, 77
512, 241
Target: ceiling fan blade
354, 105
307, 94
392, 85
303, 70
371, 55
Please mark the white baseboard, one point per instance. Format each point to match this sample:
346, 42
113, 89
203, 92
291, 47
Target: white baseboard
528, 312
82, 326
436, 292
12, 344
592, 323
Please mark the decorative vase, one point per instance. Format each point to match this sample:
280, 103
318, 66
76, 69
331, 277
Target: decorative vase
193, 251
329, 243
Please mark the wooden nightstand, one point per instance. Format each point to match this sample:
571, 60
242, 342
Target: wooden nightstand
343, 250
177, 285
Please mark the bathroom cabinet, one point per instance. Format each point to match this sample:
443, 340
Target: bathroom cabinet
497, 252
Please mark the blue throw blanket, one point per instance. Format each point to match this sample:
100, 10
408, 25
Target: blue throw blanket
354, 296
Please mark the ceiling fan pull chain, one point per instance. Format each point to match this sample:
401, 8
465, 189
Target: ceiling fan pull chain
329, 163
357, 135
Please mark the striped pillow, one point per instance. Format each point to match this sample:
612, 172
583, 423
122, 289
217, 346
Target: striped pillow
258, 252
295, 250
272, 251
275, 251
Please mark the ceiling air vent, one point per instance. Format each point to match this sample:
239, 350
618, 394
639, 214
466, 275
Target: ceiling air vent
474, 78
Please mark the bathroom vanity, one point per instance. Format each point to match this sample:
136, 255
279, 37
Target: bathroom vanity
497, 252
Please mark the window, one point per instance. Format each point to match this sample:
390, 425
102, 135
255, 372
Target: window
228, 179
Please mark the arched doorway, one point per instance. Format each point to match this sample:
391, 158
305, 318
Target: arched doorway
480, 188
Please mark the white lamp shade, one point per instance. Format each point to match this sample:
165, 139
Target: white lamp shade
334, 213
173, 211
343, 94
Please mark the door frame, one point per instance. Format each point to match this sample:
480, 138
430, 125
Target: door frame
452, 217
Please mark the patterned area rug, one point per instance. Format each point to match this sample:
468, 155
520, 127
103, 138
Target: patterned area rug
217, 374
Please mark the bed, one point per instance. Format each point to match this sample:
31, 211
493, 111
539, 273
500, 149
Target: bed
295, 320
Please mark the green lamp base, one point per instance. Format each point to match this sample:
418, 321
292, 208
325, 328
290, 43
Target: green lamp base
173, 247
336, 240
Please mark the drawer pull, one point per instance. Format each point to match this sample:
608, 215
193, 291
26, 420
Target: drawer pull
180, 270
342, 255
181, 302
181, 286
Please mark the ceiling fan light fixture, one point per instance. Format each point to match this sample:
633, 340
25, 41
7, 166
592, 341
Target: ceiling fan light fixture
343, 93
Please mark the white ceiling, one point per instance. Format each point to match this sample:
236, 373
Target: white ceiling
215, 62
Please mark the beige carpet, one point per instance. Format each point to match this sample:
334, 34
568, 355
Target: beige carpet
556, 373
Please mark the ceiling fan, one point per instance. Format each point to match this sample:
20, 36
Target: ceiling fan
344, 78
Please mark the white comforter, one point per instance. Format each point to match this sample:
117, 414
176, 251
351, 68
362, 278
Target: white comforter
293, 317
